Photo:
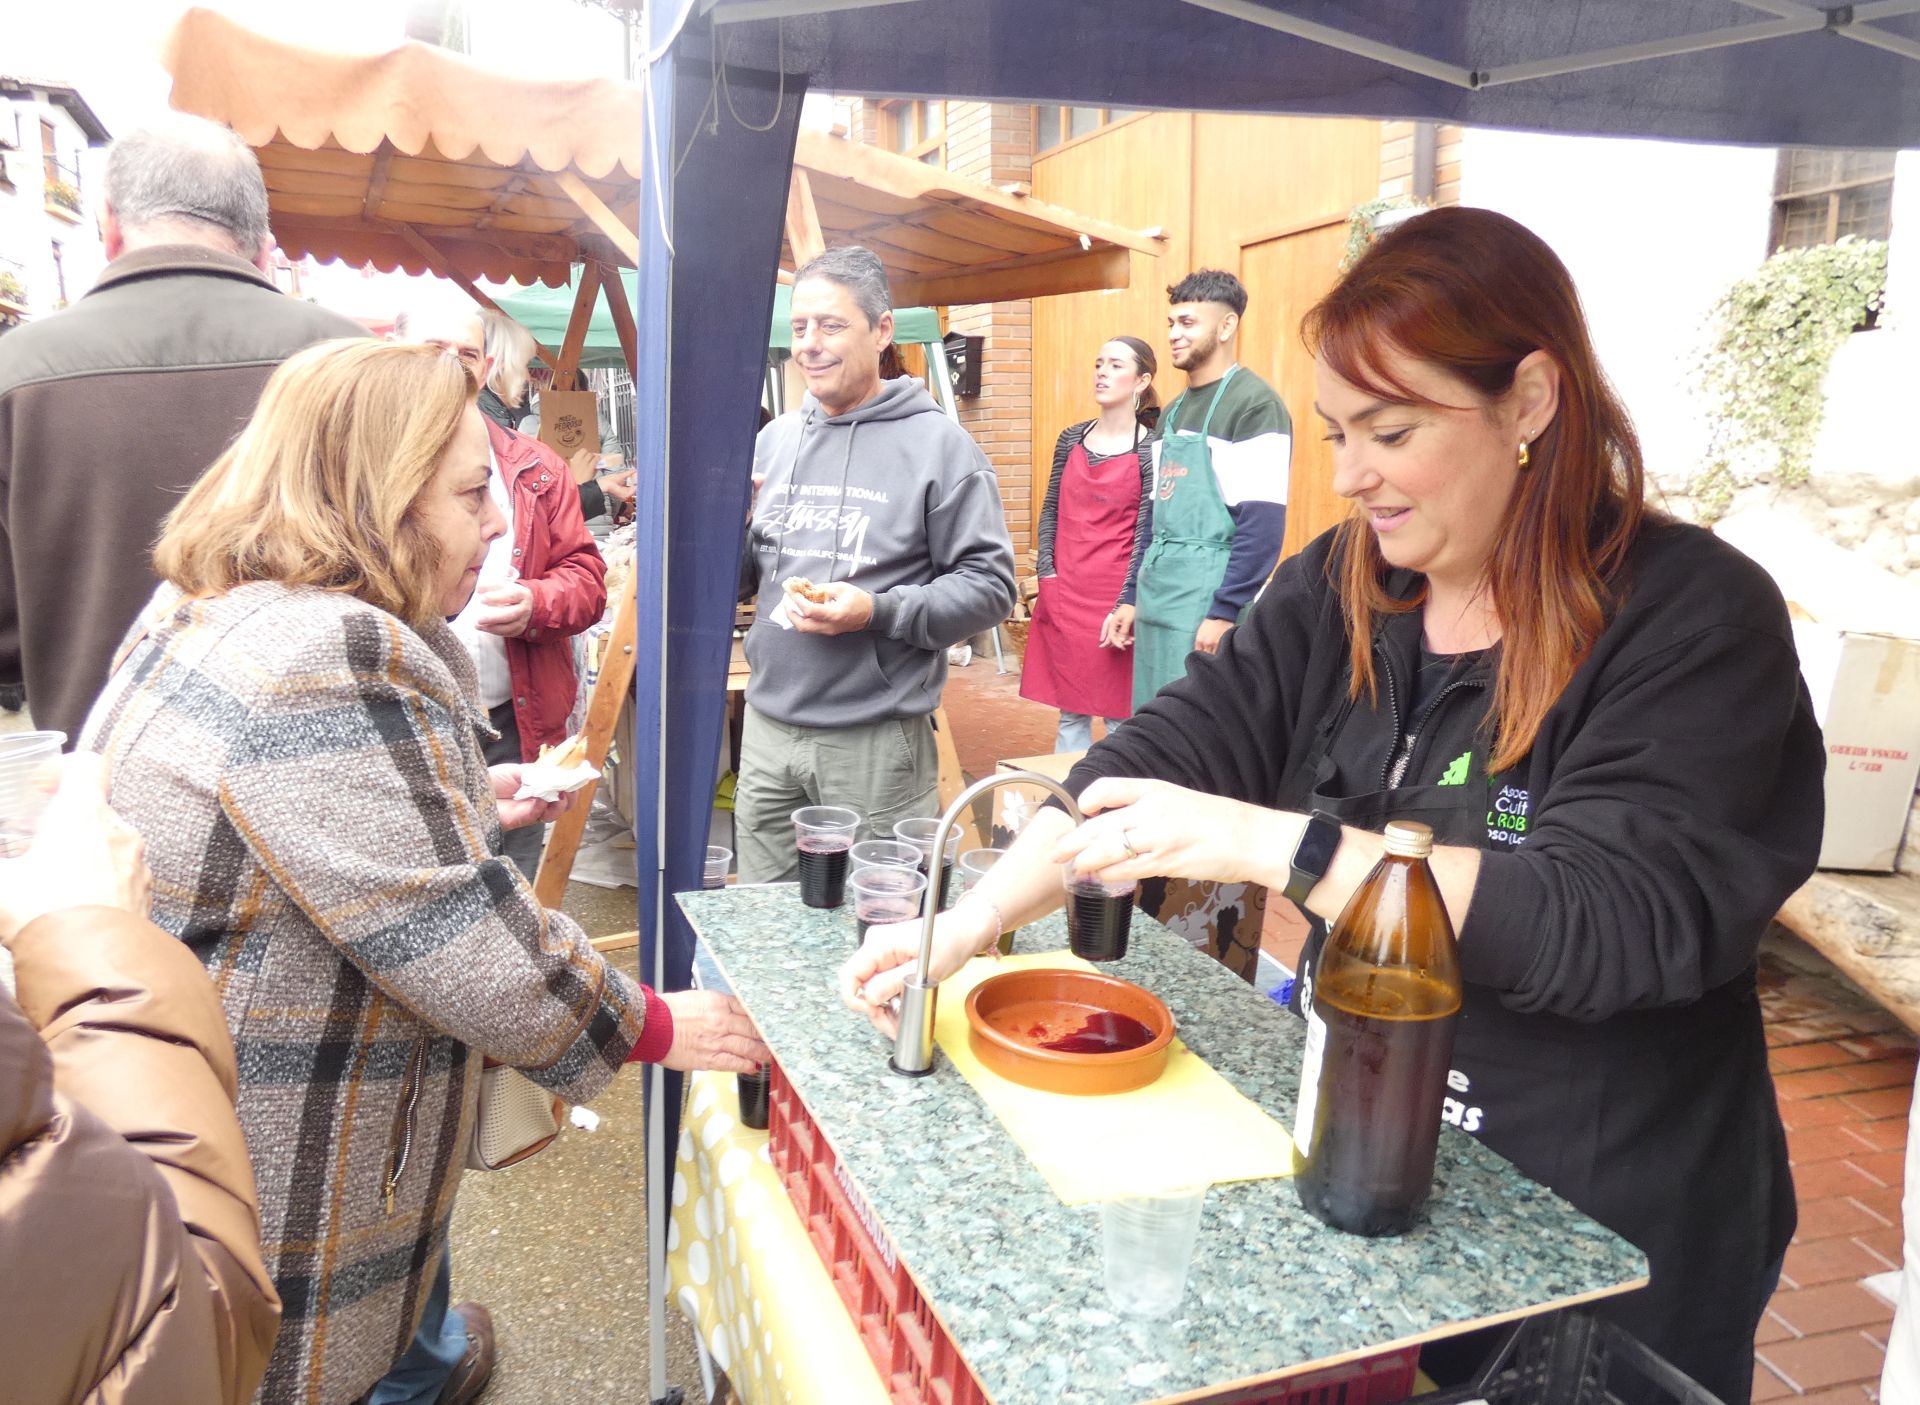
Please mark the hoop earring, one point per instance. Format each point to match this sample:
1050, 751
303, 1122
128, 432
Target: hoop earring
1525, 457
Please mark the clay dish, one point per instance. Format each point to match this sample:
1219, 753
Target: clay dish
1011, 1017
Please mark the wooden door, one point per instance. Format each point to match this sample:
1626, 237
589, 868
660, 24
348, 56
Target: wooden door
1293, 270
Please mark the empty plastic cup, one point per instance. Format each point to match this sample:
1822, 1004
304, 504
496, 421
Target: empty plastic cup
889, 852
822, 834
973, 866
27, 783
1099, 916
884, 893
719, 861
919, 833
1149, 1243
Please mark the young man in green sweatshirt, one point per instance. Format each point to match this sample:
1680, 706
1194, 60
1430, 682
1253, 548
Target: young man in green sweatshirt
891, 515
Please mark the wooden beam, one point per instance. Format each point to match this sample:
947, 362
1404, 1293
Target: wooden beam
616, 290
594, 208
907, 179
953, 780
803, 220
619, 941
566, 370
438, 263
514, 185
546, 248
603, 713
1040, 276
377, 181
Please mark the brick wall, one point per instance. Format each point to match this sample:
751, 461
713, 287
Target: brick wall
991, 142
1396, 162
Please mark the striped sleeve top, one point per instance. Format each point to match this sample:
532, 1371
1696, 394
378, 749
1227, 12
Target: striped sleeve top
1050, 507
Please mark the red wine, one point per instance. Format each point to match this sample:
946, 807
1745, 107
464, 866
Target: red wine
1097, 920
946, 877
1375, 1118
753, 1088
1105, 1032
823, 871
878, 912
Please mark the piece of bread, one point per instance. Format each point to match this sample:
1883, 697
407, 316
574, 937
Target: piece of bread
805, 589
570, 753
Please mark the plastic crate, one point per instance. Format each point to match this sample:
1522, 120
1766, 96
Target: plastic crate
1570, 1358
916, 1358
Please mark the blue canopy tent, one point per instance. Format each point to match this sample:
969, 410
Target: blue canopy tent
1772, 72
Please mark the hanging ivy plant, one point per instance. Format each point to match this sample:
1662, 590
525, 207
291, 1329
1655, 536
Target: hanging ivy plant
1773, 336
1363, 225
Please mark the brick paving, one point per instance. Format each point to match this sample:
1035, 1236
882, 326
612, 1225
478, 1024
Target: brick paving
1843, 1071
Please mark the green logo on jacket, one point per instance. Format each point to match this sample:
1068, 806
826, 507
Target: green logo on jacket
1457, 771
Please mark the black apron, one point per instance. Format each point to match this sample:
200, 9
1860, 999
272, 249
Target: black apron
1660, 1124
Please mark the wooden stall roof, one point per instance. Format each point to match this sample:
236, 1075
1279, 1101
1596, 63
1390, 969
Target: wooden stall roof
944, 238
420, 159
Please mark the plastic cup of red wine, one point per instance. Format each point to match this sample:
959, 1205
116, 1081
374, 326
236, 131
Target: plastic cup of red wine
919, 833
753, 1097
890, 853
1099, 916
884, 893
822, 835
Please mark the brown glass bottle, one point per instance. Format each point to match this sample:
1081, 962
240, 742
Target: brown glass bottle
1380, 1018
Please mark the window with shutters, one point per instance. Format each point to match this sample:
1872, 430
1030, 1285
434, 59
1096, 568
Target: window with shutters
1823, 196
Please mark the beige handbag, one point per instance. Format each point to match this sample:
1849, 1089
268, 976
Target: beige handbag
516, 1118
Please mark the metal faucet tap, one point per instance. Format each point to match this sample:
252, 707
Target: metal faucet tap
913, 1044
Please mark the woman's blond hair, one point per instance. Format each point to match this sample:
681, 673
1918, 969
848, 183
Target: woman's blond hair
320, 488
512, 348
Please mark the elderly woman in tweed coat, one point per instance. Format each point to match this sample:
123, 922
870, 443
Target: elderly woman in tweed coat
295, 730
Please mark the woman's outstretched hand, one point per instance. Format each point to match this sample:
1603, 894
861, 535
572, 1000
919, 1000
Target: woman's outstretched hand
711, 1030
1151, 829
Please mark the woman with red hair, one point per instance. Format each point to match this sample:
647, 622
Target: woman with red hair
1599, 712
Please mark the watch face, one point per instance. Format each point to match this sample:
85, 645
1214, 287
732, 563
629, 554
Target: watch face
1317, 846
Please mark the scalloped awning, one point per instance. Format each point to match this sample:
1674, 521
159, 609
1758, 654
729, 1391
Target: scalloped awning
420, 159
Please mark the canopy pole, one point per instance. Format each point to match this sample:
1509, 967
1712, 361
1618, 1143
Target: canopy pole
622, 311
1725, 38
1856, 26
1339, 39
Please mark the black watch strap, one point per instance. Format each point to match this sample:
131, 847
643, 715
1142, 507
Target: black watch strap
1313, 855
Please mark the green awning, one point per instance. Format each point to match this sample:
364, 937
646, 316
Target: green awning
544, 312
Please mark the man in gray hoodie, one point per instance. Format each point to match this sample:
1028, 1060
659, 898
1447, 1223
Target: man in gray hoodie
890, 516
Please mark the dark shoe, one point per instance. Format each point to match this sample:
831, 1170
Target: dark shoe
475, 1369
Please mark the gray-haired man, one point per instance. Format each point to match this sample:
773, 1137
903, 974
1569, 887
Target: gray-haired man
111, 409
892, 516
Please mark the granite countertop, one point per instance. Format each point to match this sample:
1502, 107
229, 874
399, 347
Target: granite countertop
1016, 1277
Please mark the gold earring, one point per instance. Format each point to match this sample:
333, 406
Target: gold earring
1525, 457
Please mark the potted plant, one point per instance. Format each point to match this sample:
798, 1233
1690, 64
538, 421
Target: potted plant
64, 196
13, 290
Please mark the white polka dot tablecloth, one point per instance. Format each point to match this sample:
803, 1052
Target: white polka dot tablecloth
740, 1266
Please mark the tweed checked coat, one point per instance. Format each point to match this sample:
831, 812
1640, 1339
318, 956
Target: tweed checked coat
307, 773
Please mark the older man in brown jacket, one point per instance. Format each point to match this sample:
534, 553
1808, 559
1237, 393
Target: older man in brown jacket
110, 410
128, 1223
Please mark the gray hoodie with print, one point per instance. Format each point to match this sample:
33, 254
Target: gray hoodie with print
893, 497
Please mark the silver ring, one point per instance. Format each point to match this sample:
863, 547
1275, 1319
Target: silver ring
1126, 840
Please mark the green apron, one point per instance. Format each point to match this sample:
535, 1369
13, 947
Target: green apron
1187, 558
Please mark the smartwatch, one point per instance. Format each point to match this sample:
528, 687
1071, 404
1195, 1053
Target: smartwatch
1313, 855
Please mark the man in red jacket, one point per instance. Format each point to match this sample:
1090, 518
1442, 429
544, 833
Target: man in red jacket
543, 582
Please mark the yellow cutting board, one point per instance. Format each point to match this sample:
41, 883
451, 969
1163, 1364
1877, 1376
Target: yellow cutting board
1188, 1128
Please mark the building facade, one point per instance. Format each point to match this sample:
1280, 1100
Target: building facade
50, 249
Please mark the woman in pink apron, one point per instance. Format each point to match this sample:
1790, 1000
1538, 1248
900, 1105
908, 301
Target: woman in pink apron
1099, 502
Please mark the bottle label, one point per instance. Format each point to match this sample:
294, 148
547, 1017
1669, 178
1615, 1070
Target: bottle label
1309, 1084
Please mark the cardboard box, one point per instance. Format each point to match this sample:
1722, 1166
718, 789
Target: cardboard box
1866, 693
1014, 805
1857, 631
